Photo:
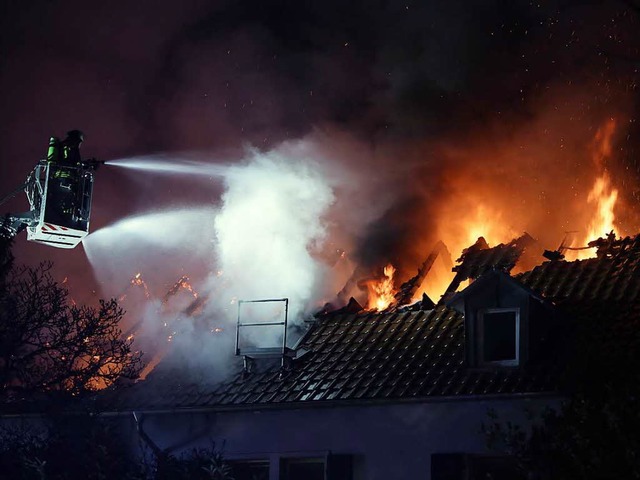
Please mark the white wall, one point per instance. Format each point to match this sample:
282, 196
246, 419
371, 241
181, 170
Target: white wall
388, 441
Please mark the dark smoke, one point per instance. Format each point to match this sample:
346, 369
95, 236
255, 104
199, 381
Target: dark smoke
422, 88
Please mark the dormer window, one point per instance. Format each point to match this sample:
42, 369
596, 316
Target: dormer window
506, 324
498, 336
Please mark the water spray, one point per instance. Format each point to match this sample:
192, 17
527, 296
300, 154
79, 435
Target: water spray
160, 165
271, 212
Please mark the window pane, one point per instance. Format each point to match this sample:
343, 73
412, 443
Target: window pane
252, 470
499, 336
303, 469
494, 468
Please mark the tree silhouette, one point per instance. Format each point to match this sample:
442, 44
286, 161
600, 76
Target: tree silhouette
49, 344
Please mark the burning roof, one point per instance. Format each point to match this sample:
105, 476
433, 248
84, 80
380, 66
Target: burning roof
612, 277
406, 342
364, 356
479, 259
358, 355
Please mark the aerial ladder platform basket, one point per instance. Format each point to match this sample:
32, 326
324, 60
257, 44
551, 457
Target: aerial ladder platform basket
59, 191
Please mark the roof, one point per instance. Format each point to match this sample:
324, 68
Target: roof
490, 276
413, 355
351, 356
356, 357
612, 277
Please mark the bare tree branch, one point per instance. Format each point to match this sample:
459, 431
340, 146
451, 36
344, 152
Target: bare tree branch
47, 344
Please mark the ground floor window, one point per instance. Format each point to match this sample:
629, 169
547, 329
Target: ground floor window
250, 469
463, 466
302, 469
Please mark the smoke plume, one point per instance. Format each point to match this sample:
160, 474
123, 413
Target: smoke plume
271, 214
403, 124
256, 244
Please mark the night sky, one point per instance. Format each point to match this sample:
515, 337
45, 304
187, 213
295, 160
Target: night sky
405, 78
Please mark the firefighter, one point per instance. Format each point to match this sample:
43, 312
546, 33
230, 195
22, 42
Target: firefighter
67, 156
71, 148
54, 150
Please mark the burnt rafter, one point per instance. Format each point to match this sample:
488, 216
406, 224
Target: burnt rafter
612, 247
479, 258
408, 289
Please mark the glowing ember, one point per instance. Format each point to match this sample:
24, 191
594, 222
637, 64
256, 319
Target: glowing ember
381, 293
137, 281
187, 286
181, 284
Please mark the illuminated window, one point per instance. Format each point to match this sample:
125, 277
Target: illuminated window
498, 336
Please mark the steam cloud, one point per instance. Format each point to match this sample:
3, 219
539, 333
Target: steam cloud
258, 243
272, 212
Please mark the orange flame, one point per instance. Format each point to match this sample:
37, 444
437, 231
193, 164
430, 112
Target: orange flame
150, 366
463, 220
482, 221
137, 281
381, 293
184, 284
181, 284
603, 195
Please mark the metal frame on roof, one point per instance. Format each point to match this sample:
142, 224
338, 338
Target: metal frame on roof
263, 351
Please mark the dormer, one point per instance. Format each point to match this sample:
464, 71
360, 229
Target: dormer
506, 323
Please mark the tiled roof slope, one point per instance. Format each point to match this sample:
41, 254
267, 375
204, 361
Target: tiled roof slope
351, 357
613, 277
412, 354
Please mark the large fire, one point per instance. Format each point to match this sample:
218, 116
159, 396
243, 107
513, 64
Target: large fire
496, 196
501, 198
381, 292
603, 195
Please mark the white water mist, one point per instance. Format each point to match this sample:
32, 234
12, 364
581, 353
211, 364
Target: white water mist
272, 211
254, 245
162, 245
164, 165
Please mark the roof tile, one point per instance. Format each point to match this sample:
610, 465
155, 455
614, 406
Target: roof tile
417, 354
